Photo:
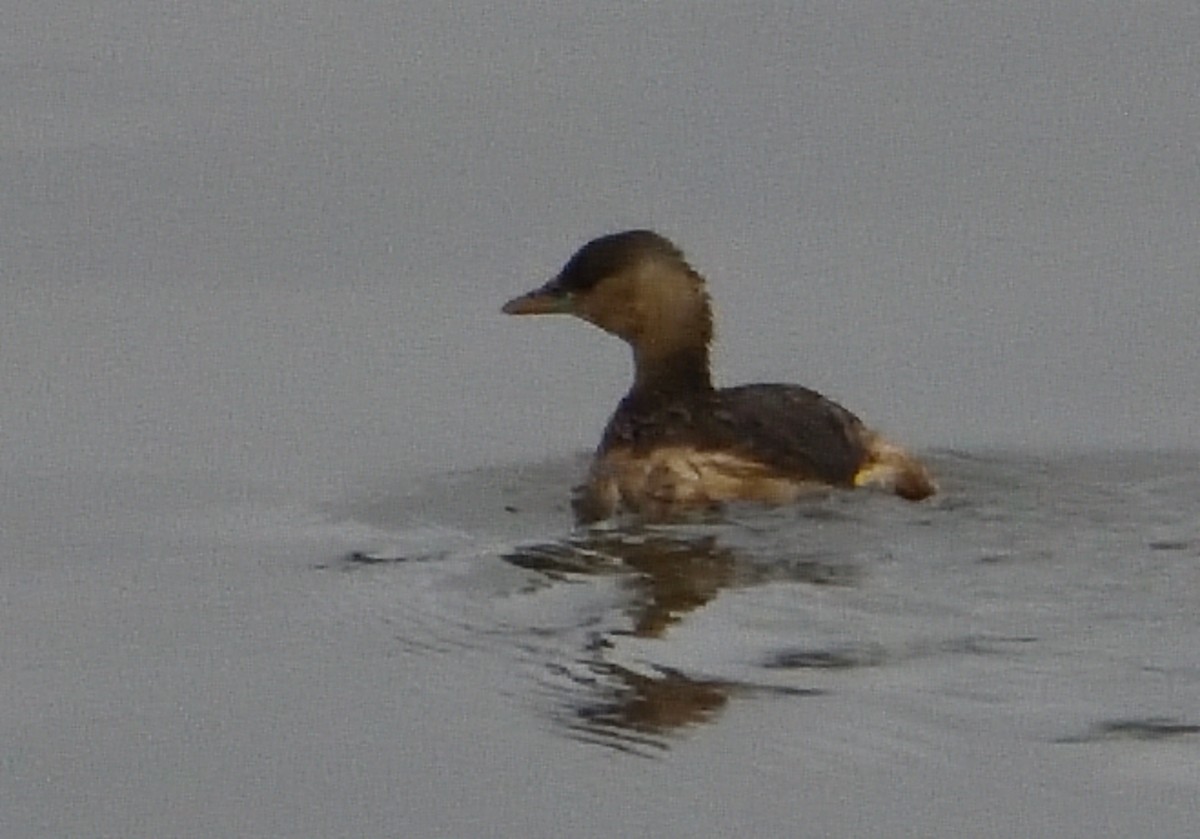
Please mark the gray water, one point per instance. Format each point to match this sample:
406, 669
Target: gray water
1054, 594
284, 539
447, 657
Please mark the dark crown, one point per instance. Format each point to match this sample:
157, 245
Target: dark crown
610, 255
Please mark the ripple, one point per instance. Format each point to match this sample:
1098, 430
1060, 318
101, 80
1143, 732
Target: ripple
840, 657
1149, 728
1172, 545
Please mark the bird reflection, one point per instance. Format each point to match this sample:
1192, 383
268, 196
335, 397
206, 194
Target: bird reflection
633, 708
666, 579
667, 575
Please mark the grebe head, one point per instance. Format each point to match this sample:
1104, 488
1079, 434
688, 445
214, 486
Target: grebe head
636, 285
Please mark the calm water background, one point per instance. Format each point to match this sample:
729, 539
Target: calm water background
283, 540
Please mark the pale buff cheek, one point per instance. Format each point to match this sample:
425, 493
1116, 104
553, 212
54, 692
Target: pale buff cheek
615, 307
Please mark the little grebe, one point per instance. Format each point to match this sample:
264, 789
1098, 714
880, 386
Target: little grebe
675, 441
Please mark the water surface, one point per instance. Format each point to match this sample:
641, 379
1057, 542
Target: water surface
284, 539
1067, 576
